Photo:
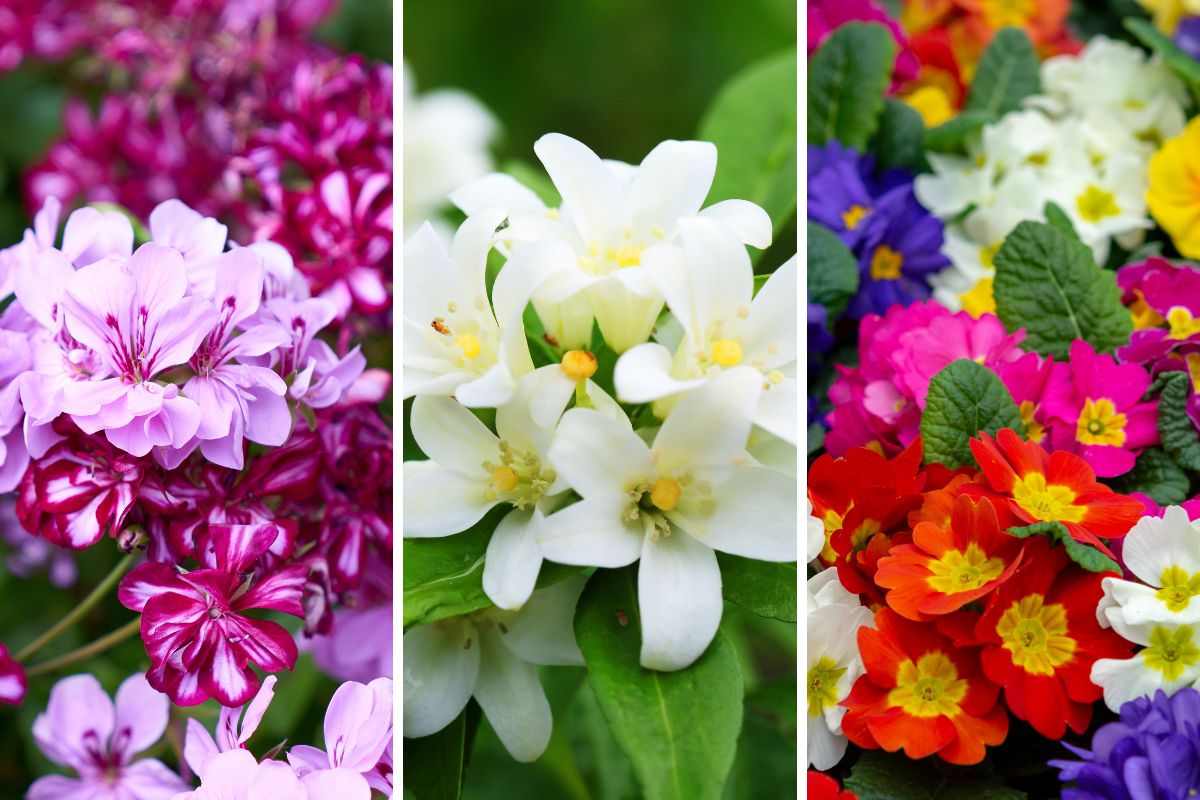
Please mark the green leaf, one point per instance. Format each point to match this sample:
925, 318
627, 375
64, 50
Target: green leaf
846, 81
1155, 474
832, 270
1175, 427
816, 437
433, 765
679, 729
892, 776
1048, 283
765, 588
6, 302
1082, 554
899, 140
753, 123
965, 399
1058, 218
1007, 74
1180, 62
951, 136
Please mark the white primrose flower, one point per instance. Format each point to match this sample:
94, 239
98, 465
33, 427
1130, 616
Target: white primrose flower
446, 138
816, 535
490, 655
453, 342
588, 255
709, 286
1169, 661
833, 621
471, 470
671, 504
1164, 554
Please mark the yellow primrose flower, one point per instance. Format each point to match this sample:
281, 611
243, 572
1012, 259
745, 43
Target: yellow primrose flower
1174, 194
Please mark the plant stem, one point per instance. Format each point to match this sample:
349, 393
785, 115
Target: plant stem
77, 613
88, 650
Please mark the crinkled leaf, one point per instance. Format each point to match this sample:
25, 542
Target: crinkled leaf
1006, 75
1175, 427
832, 270
892, 776
951, 136
965, 399
1058, 218
1157, 475
1082, 554
899, 140
680, 729
765, 588
1048, 283
1180, 62
847, 77
753, 123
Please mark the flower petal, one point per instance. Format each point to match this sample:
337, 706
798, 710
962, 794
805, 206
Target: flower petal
679, 597
441, 665
512, 698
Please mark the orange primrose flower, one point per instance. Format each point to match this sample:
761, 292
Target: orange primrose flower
921, 694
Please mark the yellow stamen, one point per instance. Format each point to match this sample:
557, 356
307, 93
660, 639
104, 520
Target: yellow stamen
629, 256
1034, 430
665, 494
957, 572
469, 345
1183, 324
1095, 204
727, 352
823, 678
1171, 651
578, 365
504, 478
854, 215
1178, 588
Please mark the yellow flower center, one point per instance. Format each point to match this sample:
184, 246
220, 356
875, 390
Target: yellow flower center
987, 255
932, 103
979, 300
1171, 651
578, 365
886, 263
854, 215
469, 345
727, 352
833, 524
957, 571
1183, 324
1099, 423
1143, 315
1046, 503
519, 478
1178, 588
1000, 13
504, 479
1095, 204
1034, 430
665, 494
1034, 633
628, 256
929, 688
823, 678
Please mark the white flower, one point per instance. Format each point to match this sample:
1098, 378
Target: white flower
589, 254
816, 535
490, 655
472, 470
446, 136
672, 504
833, 621
1169, 661
709, 286
453, 343
1164, 554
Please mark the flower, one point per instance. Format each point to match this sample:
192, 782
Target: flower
843, 187
199, 641
490, 655
833, 667
826, 16
921, 694
1163, 553
236, 775
359, 647
589, 254
1033, 380
823, 787
199, 744
1057, 487
1104, 418
1169, 661
710, 291
12, 679
671, 504
1172, 199
816, 535
1169, 13
358, 729
1152, 751
1041, 638
83, 729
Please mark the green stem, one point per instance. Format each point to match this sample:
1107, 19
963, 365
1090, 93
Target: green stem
122, 633
77, 613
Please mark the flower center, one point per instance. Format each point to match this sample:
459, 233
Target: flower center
1046, 503
1143, 315
833, 523
727, 352
1000, 13
469, 345
1095, 204
601, 260
1034, 430
654, 498
1099, 423
957, 571
886, 263
519, 478
1178, 588
823, 678
852, 216
1035, 634
1171, 651
1183, 324
665, 494
929, 688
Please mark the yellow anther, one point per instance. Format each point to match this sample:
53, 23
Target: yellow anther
665, 494
504, 478
629, 256
469, 346
578, 365
658, 232
727, 352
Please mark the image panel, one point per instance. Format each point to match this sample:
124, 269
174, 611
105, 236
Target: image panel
601, 414
196, 399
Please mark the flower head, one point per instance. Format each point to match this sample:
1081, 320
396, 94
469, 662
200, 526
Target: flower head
12, 679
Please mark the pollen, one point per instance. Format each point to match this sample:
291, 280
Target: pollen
504, 479
665, 494
629, 255
727, 352
578, 365
886, 264
469, 345
852, 216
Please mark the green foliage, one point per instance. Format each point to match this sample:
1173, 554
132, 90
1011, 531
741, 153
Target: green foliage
1058, 218
899, 142
892, 776
1082, 554
679, 729
952, 135
433, 765
1157, 475
764, 588
1006, 75
965, 399
1175, 427
832, 270
847, 77
1048, 283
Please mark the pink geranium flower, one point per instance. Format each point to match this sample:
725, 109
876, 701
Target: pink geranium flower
12, 679
1104, 419
358, 730
236, 775
200, 642
82, 729
200, 745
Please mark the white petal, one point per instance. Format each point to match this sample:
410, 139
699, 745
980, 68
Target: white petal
497, 190
591, 194
672, 181
428, 276
1127, 679
529, 420
679, 597
770, 330
543, 631
643, 375
511, 697
592, 533
711, 424
441, 665
595, 454
825, 749
1154, 544
749, 221
626, 305
754, 516
469, 252
452, 436
778, 410
720, 279
492, 389
513, 559
438, 502
529, 268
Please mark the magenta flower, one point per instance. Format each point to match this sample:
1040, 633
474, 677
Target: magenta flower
358, 730
358, 646
1104, 419
319, 376
1163, 295
200, 745
200, 642
136, 317
12, 679
82, 729
1034, 383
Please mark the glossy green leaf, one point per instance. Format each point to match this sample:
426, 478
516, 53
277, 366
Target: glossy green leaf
892, 776
847, 78
965, 399
765, 588
433, 765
